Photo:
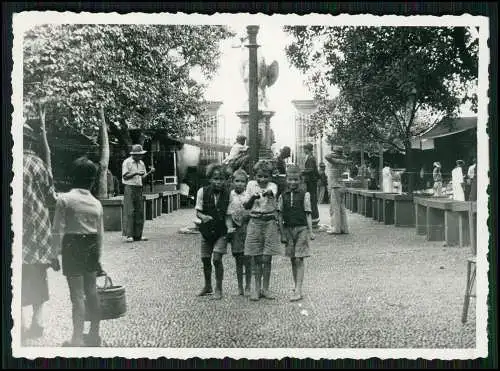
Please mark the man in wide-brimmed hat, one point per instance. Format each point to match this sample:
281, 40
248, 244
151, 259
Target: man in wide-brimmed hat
457, 181
338, 218
133, 172
311, 176
38, 250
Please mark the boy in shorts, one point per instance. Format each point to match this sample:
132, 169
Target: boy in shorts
78, 231
295, 223
212, 202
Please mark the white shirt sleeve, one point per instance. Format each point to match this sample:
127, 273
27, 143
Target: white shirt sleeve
273, 187
199, 200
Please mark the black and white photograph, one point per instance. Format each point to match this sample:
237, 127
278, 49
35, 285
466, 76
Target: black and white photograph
249, 185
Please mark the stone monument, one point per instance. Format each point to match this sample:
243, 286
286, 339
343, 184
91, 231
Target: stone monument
266, 77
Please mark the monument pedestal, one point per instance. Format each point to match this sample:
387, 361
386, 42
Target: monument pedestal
265, 136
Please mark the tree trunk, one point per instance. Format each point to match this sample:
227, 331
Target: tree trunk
45, 143
410, 168
102, 188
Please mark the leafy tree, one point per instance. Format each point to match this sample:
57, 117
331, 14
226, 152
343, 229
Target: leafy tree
394, 82
138, 75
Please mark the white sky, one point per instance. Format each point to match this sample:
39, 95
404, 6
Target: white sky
227, 85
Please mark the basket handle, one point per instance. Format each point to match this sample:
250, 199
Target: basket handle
108, 282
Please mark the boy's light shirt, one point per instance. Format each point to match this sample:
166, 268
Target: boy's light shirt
262, 204
77, 212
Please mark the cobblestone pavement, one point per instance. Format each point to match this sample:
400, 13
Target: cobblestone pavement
378, 287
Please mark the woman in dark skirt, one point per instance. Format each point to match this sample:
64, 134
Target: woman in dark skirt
78, 228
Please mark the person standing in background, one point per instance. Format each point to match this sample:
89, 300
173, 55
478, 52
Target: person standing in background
281, 169
38, 251
322, 185
457, 181
133, 173
472, 169
473, 186
387, 182
470, 177
438, 179
338, 216
373, 173
311, 176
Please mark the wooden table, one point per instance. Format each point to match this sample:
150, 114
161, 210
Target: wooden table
443, 219
113, 213
395, 208
150, 205
170, 201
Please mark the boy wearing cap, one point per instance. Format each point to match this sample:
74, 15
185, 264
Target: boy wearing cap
133, 172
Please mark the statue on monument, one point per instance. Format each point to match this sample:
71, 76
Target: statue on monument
266, 74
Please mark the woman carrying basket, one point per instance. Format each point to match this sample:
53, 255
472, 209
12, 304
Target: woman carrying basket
78, 233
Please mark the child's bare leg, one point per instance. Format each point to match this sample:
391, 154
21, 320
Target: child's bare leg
207, 273
266, 268
37, 315
248, 274
239, 272
94, 308
77, 294
219, 275
294, 273
299, 263
257, 273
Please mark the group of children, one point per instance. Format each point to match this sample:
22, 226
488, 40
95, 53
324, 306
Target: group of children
253, 219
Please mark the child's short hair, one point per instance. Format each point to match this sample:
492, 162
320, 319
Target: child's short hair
293, 170
264, 165
240, 172
83, 172
212, 168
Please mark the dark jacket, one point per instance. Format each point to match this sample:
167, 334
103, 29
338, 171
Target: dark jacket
216, 228
311, 173
294, 214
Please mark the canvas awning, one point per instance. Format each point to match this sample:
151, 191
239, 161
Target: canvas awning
448, 126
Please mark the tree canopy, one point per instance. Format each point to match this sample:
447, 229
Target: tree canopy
394, 82
139, 74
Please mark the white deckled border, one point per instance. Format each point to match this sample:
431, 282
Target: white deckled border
25, 20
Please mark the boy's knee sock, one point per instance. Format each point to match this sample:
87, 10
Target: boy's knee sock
266, 274
239, 270
219, 273
248, 272
207, 271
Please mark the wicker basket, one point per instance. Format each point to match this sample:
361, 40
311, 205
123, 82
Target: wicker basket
112, 300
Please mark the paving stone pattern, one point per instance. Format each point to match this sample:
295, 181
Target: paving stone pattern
378, 287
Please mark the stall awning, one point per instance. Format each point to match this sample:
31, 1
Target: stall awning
449, 126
